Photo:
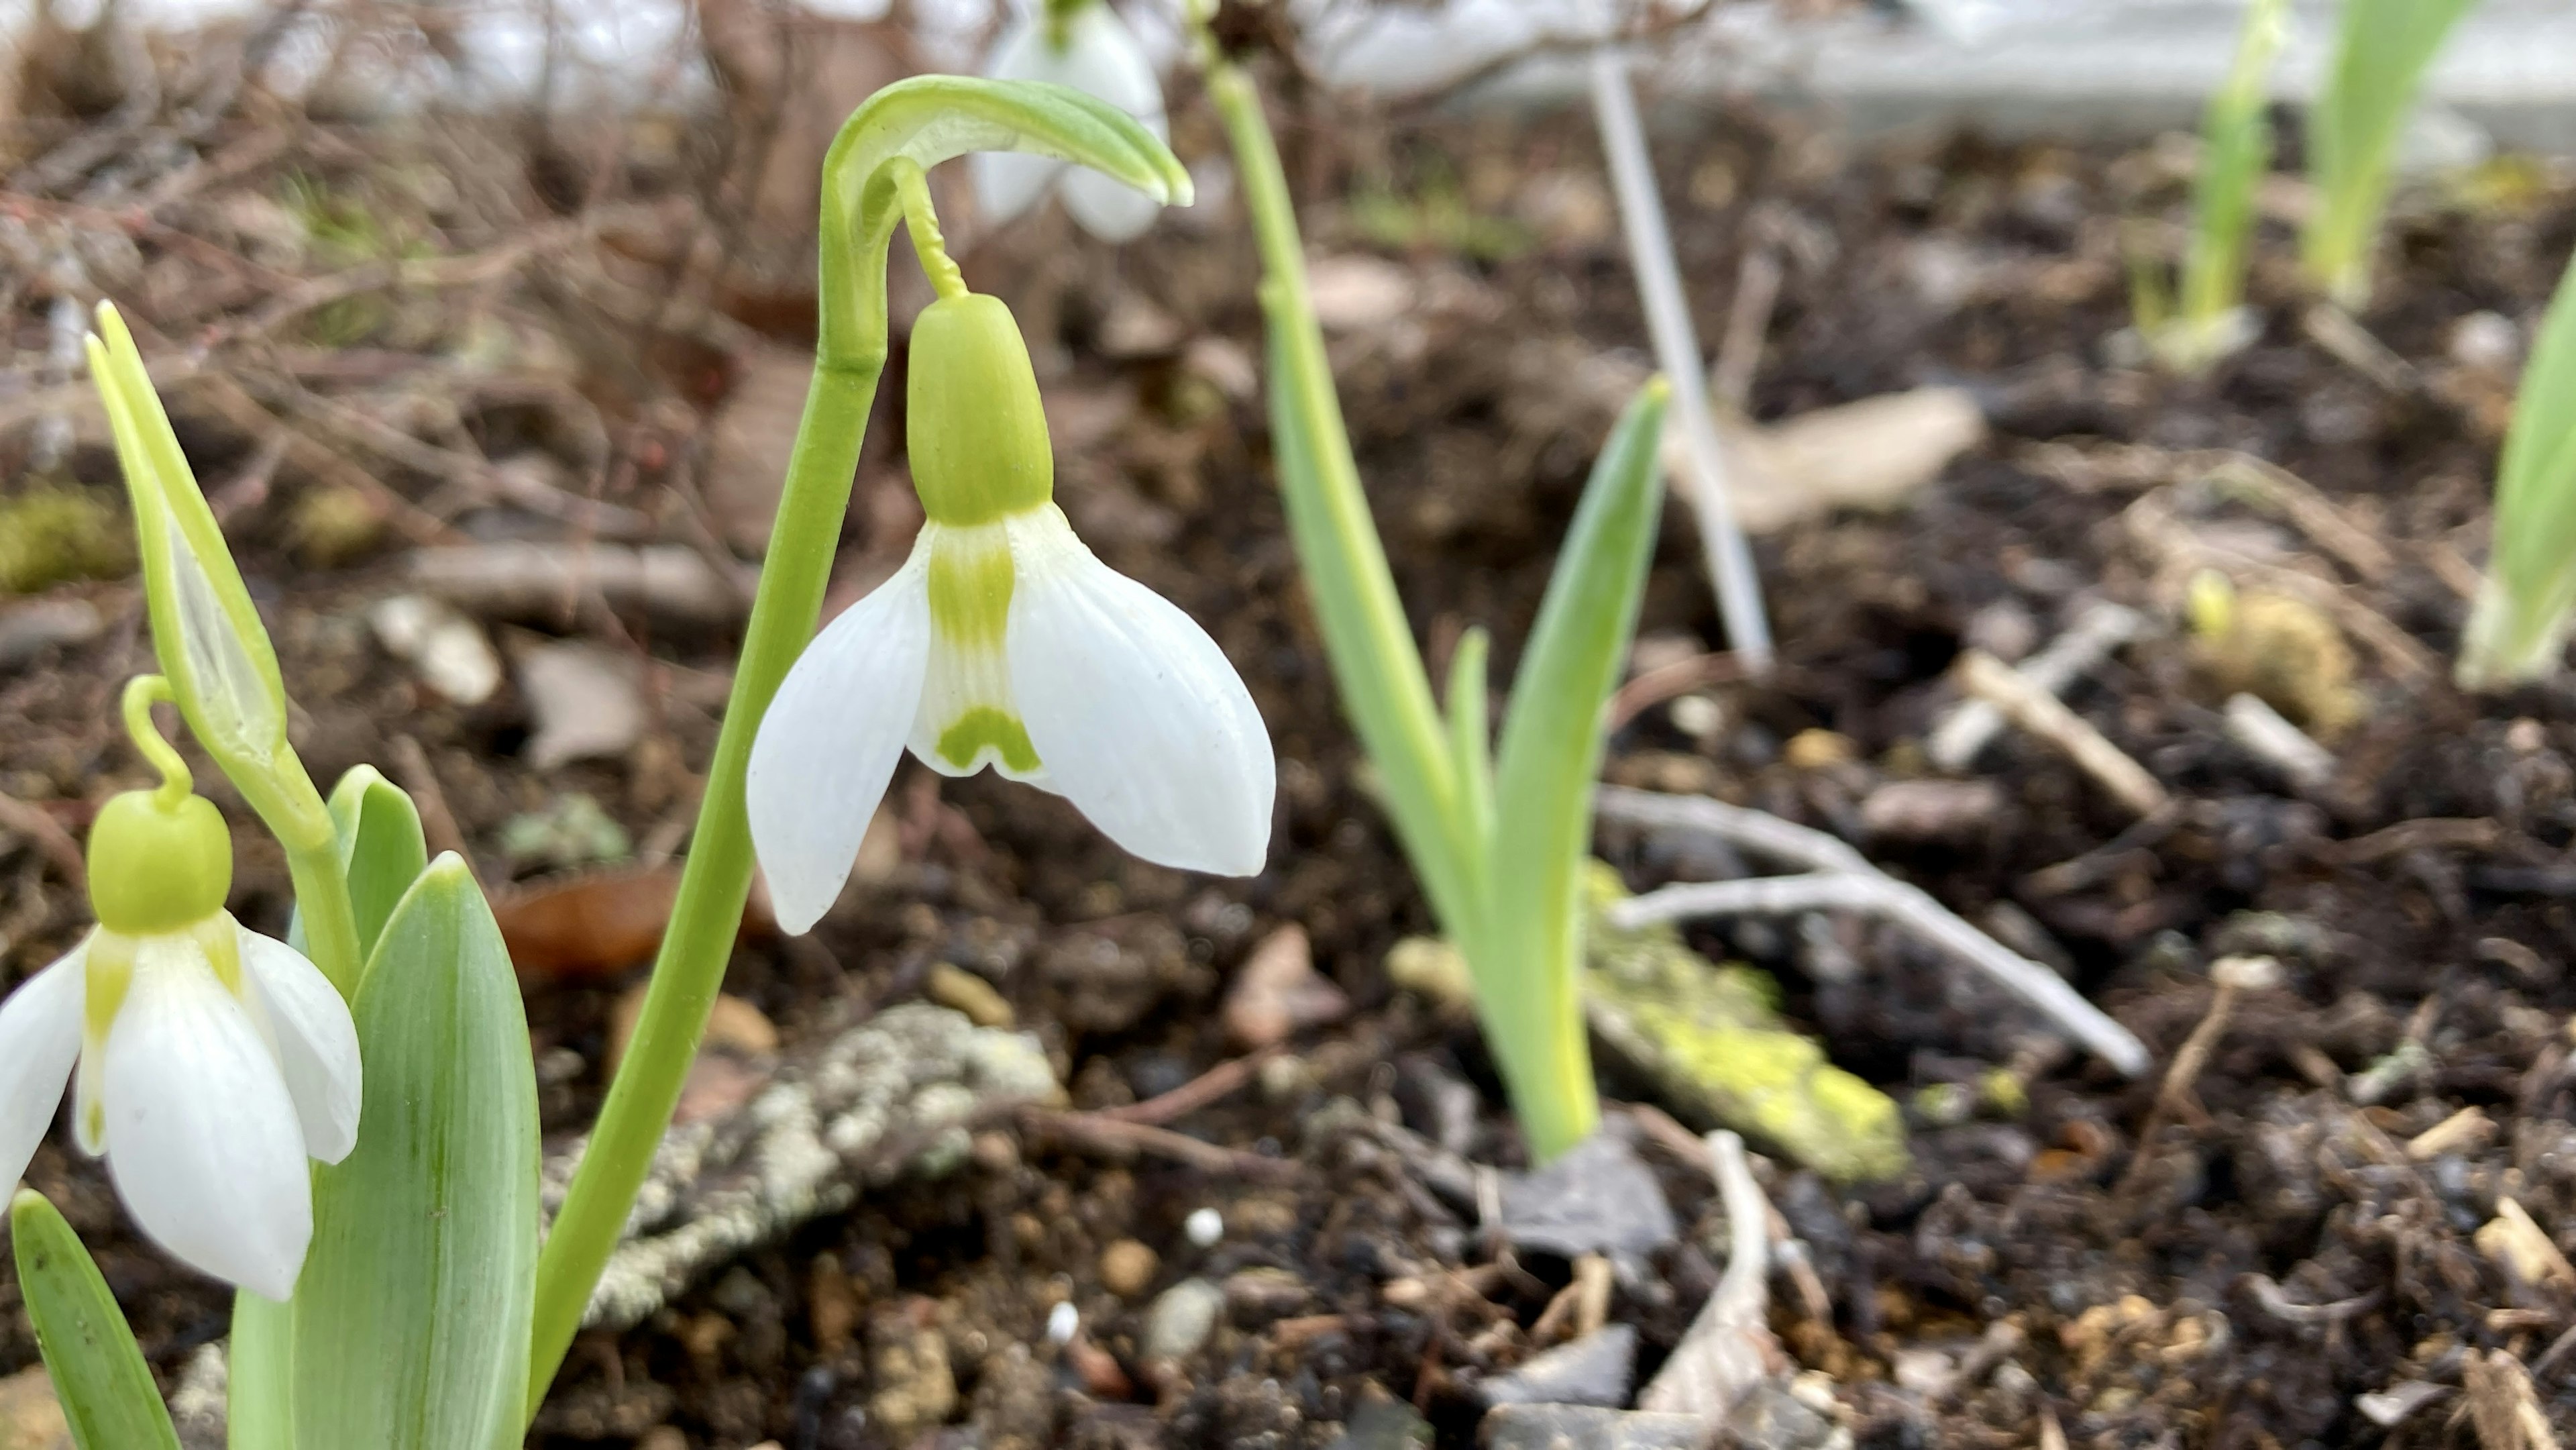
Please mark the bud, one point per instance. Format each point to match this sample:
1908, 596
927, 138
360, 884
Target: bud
977, 430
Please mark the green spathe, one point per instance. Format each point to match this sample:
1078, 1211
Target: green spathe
157, 865
978, 434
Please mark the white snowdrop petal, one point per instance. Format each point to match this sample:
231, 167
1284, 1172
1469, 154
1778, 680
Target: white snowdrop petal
1009, 183
830, 741
40, 1036
1113, 211
317, 1043
1141, 721
1102, 56
202, 1139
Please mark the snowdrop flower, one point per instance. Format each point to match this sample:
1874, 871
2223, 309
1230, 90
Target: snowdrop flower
1002, 641
207, 1062
1082, 44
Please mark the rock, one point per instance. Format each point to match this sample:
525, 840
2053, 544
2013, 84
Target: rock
1356, 293
28, 630
908, 1363
1265, 1293
448, 651
1584, 1427
1384, 1425
663, 1437
1595, 1198
1931, 810
1181, 1320
951, 985
1598, 1369
1772, 1417
30, 1418
583, 702
1279, 992
1127, 1268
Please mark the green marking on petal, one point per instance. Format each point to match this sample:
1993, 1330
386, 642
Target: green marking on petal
984, 726
970, 590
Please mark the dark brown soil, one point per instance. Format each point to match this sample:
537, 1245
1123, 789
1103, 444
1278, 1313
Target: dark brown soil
2274, 1252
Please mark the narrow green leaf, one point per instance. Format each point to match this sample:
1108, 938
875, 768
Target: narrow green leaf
1527, 987
2519, 626
412, 1320
1471, 748
99, 1376
380, 845
2382, 48
2236, 148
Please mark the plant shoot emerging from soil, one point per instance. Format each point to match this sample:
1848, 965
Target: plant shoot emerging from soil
2209, 320
2381, 50
2518, 627
1499, 842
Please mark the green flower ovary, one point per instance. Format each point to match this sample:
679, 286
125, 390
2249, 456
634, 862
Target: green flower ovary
158, 866
976, 430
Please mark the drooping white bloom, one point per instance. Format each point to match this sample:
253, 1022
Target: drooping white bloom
1002, 641
210, 1063
1089, 49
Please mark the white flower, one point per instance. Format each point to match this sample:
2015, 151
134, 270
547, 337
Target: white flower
1008, 644
1099, 54
211, 1063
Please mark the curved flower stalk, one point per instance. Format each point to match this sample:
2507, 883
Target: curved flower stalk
208, 1062
1003, 642
1082, 44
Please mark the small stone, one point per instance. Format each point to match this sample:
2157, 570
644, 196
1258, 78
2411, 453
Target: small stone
1265, 1292
1585, 1427
951, 985
1127, 1268
908, 1363
1597, 1197
1182, 1319
2488, 341
1063, 1322
1279, 992
1931, 810
1772, 1416
1204, 1227
831, 1304
30, 1418
1384, 1425
1598, 1369
1817, 749
663, 1437
1430, 967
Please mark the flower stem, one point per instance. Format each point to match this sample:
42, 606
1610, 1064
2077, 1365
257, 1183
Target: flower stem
717, 877
921, 223
141, 694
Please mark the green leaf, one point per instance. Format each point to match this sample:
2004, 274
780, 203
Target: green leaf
99, 1376
381, 847
1471, 749
2236, 147
2382, 48
412, 1319
1527, 988
2519, 626
929, 119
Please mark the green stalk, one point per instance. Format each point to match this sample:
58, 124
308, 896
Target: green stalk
870, 181
2382, 48
1367, 639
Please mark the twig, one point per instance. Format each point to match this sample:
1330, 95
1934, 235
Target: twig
1210, 1086
2353, 345
1668, 682
2463, 833
2232, 977
1728, 1348
1841, 878
1111, 1135
1748, 317
2278, 1304
2502, 1405
2046, 716
2284, 746
2100, 629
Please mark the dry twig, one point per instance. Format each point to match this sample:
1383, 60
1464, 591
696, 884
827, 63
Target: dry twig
1968, 728
1729, 1348
2046, 716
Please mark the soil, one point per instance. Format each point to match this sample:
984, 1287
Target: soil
2283, 1242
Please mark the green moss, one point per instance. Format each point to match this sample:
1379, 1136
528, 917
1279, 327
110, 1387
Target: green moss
1711, 1040
50, 534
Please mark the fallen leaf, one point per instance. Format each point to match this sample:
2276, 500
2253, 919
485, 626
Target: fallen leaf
1279, 992
1872, 454
586, 926
1355, 293
584, 702
449, 652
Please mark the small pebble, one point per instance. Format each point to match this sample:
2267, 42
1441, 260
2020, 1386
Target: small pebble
1204, 1227
1127, 1268
2487, 340
955, 987
1181, 1320
1063, 1322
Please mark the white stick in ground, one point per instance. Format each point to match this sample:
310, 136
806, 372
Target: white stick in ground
1668, 323
2287, 748
1973, 724
1839, 878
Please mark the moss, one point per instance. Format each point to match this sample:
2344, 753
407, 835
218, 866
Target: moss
51, 534
1711, 1040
